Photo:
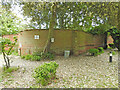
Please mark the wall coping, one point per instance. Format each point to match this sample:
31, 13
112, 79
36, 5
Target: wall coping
56, 30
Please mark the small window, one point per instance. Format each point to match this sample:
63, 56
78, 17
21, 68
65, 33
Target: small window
52, 40
36, 36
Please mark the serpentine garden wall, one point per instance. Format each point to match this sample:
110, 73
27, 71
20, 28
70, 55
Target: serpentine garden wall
76, 41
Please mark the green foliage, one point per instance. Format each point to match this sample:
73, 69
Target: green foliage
64, 11
9, 22
101, 29
109, 47
94, 52
5, 42
15, 53
44, 55
37, 53
115, 33
112, 45
35, 86
100, 50
113, 53
31, 57
9, 70
48, 56
94, 30
6, 72
22, 57
46, 72
36, 58
28, 57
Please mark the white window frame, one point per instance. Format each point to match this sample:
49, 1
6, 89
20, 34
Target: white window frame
36, 36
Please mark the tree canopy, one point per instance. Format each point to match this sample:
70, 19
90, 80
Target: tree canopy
73, 15
69, 15
94, 17
9, 22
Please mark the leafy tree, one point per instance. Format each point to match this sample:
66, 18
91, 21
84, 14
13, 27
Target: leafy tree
9, 24
5, 42
73, 15
69, 15
58, 15
110, 13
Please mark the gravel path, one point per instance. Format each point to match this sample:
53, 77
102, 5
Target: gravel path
1, 61
77, 72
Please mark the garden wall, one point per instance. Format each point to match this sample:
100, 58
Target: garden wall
74, 40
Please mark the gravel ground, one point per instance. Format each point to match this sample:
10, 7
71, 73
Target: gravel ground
82, 71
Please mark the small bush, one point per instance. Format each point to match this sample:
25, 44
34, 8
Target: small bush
44, 55
22, 57
113, 53
48, 56
100, 50
109, 47
35, 58
28, 57
112, 45
37, 53
94, 52
9, 70
6, 72
45, 73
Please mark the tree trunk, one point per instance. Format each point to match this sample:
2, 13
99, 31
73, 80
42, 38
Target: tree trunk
7, 60
62, 22
51, 28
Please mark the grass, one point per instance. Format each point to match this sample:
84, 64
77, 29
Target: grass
9, 70
6, 73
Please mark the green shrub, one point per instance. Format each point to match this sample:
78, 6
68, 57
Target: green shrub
45, 73
35, 58
109, 47
9, 70
112, 45
28, 57
101, 50
22, 57
113, 53
94, 52
48, 56
37, 53
44, 55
